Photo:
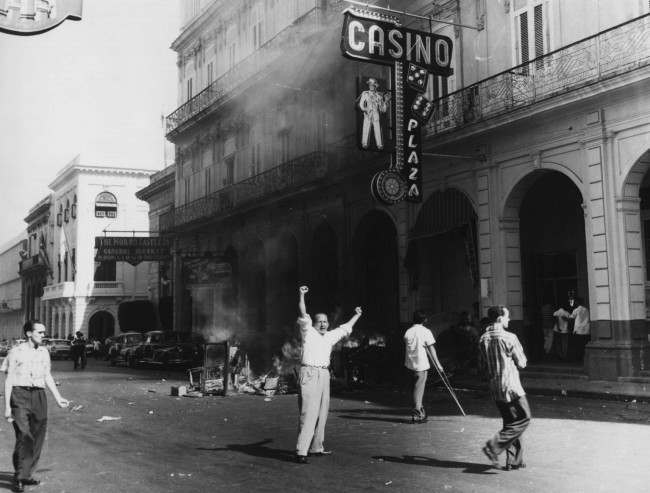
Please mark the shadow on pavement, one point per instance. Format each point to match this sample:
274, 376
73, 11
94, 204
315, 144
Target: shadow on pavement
6, 480
257, 449
376, 418
417, 460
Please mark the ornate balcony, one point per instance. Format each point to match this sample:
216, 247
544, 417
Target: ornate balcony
247, 72
59, 290
283, 179
106, 288
608, 54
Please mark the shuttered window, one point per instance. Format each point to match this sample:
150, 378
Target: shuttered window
531, 35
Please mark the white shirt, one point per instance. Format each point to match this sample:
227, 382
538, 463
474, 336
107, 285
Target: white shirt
581, 316
416, 338
562, 323
317, 347
27, 366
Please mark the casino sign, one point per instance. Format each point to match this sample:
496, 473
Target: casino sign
29, 17
413, 56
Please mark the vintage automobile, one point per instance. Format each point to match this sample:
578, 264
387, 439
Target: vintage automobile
169, 348
58, 348
122, 349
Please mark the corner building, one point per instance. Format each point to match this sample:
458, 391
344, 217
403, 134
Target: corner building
534, 174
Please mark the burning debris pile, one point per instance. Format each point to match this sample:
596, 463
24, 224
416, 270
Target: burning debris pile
282, 378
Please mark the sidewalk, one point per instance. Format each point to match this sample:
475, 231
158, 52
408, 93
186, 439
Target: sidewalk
564, 379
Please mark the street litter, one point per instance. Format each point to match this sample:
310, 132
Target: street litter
388, 482
109, 418
152, 391
131, 403
267, 399
77, 408
150, 412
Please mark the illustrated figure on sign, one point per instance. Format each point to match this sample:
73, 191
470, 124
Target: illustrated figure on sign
372, 103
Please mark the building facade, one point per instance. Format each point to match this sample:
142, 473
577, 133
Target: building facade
534, 174
159, 194
11, 292
80, 294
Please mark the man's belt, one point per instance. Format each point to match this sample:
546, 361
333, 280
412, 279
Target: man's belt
25, 387
315, 366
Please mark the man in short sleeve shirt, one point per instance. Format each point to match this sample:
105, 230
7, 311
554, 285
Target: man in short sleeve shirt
317, 343
28, 373
416, 340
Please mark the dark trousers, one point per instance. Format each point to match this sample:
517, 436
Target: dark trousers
29, 411
516, 418
79, 357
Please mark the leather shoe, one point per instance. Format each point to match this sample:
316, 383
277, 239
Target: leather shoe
302, 459
18, 486
490, 455
513, 467
321, 453
31, 482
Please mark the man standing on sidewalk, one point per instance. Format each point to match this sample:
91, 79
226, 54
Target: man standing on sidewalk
314, 379
501, 358
27, 369
416, 339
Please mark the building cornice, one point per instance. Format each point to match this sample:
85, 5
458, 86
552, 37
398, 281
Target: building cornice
200, 23
72, 170
39, 211
161, 184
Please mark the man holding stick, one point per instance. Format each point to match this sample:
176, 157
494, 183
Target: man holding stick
501, 357
418, 340
314, 378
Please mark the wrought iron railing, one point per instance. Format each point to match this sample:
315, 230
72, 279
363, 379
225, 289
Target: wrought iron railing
250, 70
607, 54
287, 177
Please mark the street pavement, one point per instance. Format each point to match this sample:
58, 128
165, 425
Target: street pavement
245, 443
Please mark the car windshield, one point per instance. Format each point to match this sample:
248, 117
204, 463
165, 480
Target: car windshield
133, 338
61, 342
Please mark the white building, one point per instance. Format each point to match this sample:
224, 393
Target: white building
11, 316
89, 201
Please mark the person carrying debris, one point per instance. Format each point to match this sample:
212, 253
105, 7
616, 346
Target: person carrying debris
314, 378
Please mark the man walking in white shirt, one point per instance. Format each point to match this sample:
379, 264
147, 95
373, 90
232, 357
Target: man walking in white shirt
417, 339
317, 343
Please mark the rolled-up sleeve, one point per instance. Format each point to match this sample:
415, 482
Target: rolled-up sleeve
304, 323
339, 333
518, 355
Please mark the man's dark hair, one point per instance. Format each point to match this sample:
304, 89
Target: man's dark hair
29, 325
494, 312
419, 317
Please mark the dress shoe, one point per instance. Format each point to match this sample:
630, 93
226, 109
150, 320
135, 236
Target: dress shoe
513, 467
490, 455
18, 486
31, 482
302, 459
321, 453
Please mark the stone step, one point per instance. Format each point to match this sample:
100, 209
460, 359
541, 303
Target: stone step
548, 369
553, 375
639, 379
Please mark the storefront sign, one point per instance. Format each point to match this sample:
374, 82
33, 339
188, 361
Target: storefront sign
131, 250
27, 17
383, 42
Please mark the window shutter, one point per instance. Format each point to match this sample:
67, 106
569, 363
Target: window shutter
523, 36
539, 34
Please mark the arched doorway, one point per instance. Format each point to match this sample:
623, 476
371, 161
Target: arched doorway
252, 305
101, 325
282, 292
552, 253
375, 268
443, 265
324, 283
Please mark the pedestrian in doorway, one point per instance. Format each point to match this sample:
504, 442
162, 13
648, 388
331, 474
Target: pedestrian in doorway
28, 372
78, 351
97, 348
416, 341
563, 328
581, 332
314, 376
501, 357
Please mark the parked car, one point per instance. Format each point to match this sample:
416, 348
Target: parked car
169, 348
58, 348
122, 349
5, 346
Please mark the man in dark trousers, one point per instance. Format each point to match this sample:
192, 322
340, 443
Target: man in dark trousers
78, 350
28, 373
501, 357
